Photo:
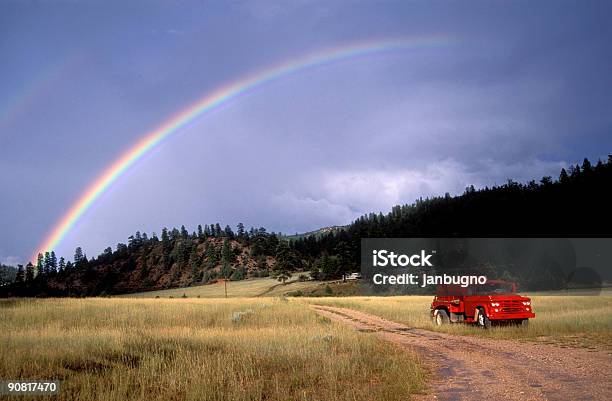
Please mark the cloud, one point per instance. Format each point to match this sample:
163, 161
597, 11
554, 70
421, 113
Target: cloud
350, 193
11, 260
304, 211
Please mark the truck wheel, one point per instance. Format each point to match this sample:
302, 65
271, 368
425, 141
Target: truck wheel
483, 320
525, 323
441, 317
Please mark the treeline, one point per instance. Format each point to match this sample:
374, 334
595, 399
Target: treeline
8, 274
576, 204
176, 258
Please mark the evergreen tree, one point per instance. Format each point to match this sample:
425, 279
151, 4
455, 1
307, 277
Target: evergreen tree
200, 231
547, 180
194, 261
165, 239
62, 264
345, 258
227, 256
29, 272
53, 263
210, 255
184, 232
283, 266
226, 271
39, 264
21, 276
586, 166
574, 171
47, 263
78, 255
240, 230
261, 263
563, 177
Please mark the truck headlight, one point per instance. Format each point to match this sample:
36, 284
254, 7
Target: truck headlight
526, 303
494, 303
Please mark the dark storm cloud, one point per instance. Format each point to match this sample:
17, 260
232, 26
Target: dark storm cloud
519, 90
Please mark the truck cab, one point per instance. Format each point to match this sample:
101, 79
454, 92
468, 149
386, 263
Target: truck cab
496, 301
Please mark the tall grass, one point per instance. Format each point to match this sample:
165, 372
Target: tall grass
244, 288
578, 320
197, 349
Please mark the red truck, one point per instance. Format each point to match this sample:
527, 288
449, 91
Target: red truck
495, 301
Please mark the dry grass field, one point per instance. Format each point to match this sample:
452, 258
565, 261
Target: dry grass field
198, 349
246, 288
583, 321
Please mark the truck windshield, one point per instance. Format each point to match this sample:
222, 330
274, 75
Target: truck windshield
491, 289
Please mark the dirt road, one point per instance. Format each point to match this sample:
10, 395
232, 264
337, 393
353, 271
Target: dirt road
470, 368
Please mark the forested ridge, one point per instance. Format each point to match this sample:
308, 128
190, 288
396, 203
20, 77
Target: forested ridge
576, 204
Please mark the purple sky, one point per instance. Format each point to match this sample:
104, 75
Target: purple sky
524, 89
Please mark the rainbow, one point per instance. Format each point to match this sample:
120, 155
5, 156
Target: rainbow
43, 83
207, 103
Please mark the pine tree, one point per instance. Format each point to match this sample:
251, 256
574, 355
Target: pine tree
62, 264
78, 255
563, 177
29, 272
39, 264
200, 231
547, 180
165, 239
586, 166
53, 263
227, 255
282, 268
20, 277
240, 230
47, 263
226, 271
262, 264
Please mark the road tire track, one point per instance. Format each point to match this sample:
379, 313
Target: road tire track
471, 368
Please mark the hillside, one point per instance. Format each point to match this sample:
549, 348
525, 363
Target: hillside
316, 233
253, 287
575, 205
176, 260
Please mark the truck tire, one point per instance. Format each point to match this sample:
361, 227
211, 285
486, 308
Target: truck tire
482, 320
441, 317
524, 323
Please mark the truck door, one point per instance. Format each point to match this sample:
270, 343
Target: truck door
469, 303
